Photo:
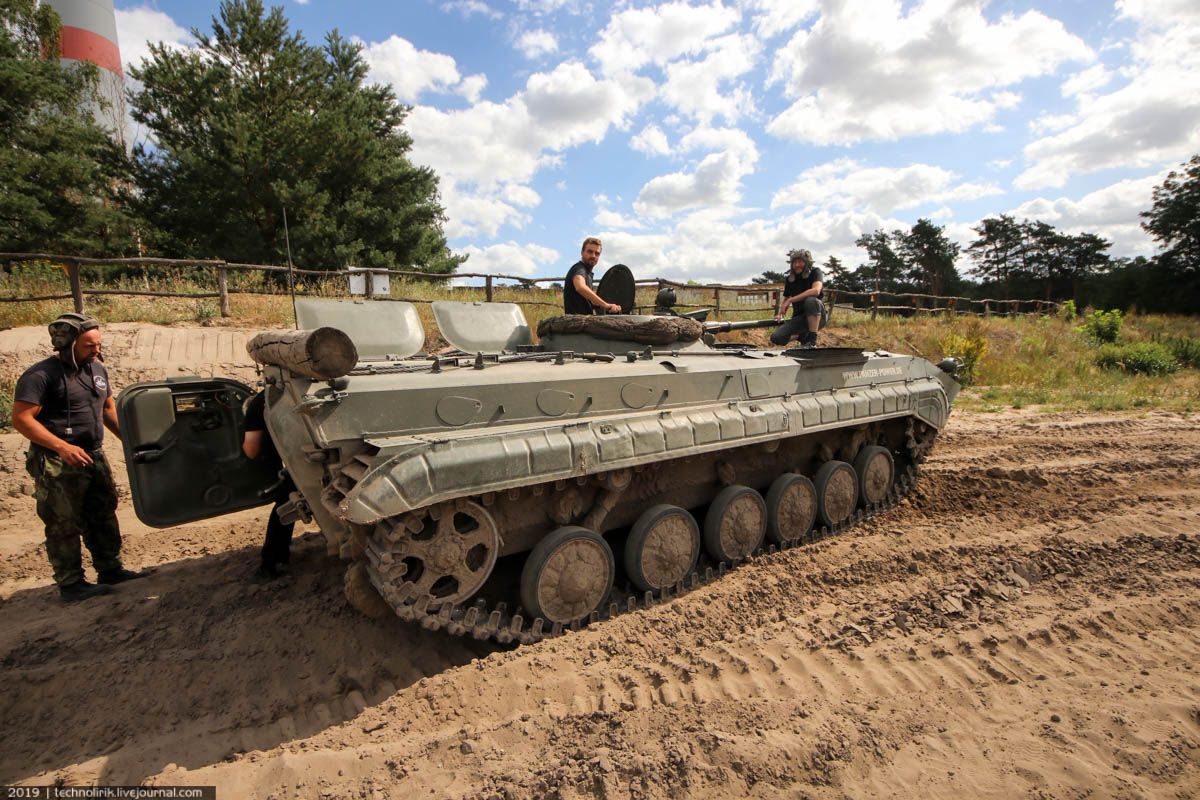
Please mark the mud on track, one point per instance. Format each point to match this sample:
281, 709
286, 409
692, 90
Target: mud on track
1025, 624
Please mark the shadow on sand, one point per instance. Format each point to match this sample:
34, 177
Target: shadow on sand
196, 663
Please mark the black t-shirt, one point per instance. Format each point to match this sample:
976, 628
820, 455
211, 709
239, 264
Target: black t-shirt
573, 301
72, 400
795, 284
256, 420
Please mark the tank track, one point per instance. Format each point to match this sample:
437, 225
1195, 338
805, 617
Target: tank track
498, 624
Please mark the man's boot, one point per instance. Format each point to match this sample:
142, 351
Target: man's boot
82, 590
808, 339
120, 575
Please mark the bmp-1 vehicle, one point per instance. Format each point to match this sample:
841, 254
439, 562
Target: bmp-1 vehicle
511, 490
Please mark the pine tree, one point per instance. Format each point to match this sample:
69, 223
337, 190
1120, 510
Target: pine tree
253, 121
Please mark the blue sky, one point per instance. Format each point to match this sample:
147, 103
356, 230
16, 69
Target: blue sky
703, 140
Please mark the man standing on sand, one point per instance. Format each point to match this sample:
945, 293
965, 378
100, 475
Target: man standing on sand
62, 405
257, 444
801, 291
578, 295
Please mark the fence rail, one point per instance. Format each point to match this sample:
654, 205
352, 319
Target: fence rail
918, 303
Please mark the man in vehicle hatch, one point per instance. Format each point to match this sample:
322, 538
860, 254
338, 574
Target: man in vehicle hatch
801, 291
578, 295
62, 405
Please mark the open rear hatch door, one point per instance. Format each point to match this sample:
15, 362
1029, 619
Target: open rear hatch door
183, 450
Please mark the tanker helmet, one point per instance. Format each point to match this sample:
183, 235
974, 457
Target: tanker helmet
802, 254
67, 328
665, 297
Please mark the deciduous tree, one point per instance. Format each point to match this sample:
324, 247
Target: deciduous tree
1174, 219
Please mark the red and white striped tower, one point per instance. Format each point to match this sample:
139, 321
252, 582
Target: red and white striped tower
89, 33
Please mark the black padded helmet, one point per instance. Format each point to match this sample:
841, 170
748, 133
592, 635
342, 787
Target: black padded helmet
67, 328
665, 298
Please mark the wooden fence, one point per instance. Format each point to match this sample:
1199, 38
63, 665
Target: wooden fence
917, 303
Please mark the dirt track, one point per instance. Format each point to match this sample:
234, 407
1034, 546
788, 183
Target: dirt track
1025, 624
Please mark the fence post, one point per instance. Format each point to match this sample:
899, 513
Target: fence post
874, 305
717, 300
950, 305
370, 276
832, 302
223, 290
76, 287
987, 309
488, 289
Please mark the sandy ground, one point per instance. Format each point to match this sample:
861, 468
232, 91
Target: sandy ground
1025, 624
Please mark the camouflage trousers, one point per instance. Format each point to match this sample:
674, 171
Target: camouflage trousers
75, 503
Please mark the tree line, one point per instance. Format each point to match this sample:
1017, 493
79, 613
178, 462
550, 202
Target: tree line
259, 145
1033, 260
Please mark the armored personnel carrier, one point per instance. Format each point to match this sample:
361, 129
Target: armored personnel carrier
512, 490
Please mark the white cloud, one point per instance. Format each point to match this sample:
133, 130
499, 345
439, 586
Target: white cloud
511, 258
715, 181
868, 71
1111, 212
543, 7
772, 17
694, 86
1160, 13
847, 184
481, 153
1087, 81
636, 37
1047, 123
651, 141
408, 70
534, 44
608, 219
470, 8
472, 86
709, 247
1152, 120
138, 28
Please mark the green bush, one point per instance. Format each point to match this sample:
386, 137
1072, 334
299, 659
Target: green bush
970, 349
1067, 310
1185, 350
1103, 327
1143, 358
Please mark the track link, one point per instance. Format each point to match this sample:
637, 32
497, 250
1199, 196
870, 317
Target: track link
498, 624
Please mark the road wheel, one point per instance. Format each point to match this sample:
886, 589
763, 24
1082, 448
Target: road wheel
791, 508
876, 470
836, 483
567, 575
735, 523
662, 548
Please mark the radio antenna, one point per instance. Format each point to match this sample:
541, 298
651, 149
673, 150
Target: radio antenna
287, 240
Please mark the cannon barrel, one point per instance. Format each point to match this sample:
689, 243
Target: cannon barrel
722, 327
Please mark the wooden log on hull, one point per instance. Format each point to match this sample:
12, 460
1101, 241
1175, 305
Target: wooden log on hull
324, 353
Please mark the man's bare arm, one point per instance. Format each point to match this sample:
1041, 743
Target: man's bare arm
110, 417
581, 286
24, 418
252, 443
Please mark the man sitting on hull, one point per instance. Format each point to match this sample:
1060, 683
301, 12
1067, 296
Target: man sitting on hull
579, 296
801, 291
